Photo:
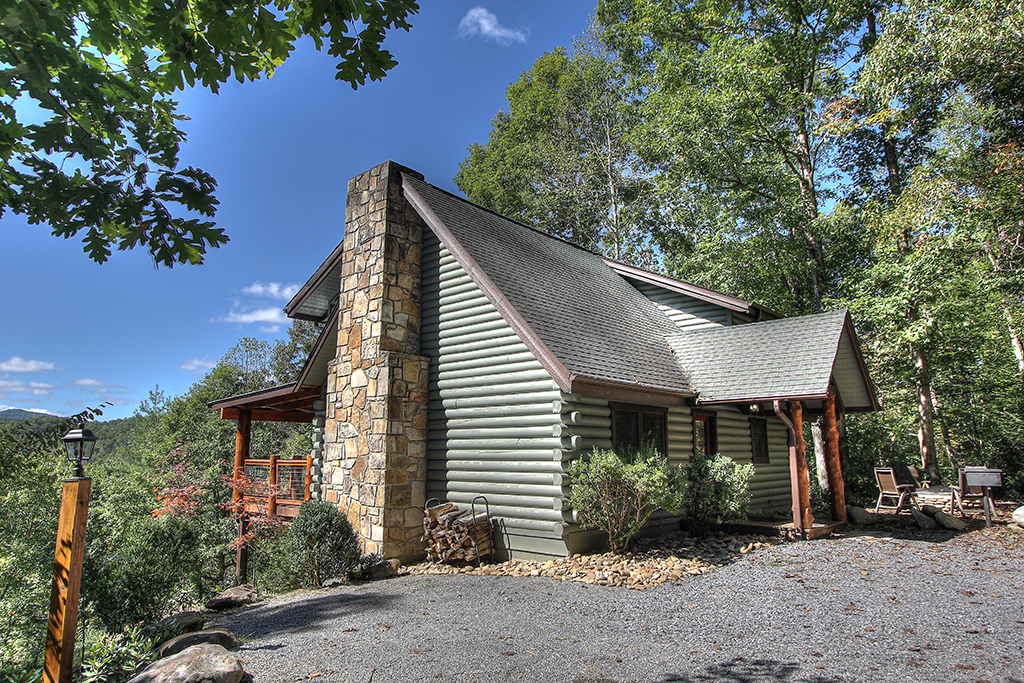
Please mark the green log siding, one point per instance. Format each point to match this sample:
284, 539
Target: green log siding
495, 421
688, 312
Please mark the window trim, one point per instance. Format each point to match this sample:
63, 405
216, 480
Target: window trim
754, 458
710, 419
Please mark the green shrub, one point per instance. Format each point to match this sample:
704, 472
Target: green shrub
116, 658
618, 494
717, 489
321, 543
21, 673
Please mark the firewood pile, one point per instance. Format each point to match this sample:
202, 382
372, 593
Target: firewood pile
452, 534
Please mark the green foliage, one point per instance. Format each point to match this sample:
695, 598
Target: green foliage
618, 494
716, 490
116, 658
104, 158
559, 160
321, 544
21, 674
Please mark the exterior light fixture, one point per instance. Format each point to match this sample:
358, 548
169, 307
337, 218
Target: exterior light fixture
80, 444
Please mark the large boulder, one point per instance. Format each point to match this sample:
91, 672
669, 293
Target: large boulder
1018, 516
930, 510
923, 520
950, 522
183, 622
198, 664
860, 516
216, 636
233, 597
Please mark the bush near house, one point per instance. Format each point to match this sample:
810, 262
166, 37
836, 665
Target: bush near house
717, 489
618, 494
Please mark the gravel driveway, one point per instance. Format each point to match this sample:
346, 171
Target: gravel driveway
854, 608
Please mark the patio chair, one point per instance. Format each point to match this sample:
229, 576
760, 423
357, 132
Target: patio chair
964, 493
889, 490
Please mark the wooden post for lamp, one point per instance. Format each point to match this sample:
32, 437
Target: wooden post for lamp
67, 581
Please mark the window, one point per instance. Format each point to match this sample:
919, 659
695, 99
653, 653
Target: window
759, 439
705, 433
635, 426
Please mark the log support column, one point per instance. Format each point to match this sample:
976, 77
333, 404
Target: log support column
803, 518
243, 437
832, 466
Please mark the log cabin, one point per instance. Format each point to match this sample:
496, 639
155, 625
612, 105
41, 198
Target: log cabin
465, 354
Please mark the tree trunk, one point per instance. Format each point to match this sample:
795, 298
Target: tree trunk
925, 413
820, 467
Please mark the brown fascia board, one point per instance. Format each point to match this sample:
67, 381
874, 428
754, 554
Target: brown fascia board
632, 393
284, 393
312, 284
697, 292
759, 399
555, 367
331, 322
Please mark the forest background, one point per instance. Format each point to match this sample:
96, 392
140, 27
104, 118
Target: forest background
807, 155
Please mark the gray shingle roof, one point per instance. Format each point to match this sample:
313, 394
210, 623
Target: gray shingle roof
592, 320
791, 357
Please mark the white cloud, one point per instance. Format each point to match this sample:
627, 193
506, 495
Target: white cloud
271, 316
274, 290
85, 382
19, 364
270, 329
479, 22
197, 365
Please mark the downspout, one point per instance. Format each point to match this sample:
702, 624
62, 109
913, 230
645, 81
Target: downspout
794, 480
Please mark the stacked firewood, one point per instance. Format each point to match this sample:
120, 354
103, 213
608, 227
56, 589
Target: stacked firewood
454, 535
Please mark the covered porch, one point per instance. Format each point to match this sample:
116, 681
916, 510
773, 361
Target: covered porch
274, 485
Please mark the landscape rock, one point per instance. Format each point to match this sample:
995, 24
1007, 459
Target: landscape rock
183, 622
332, 583
217, 636
923, 520
670, 558
198, 664
1018, 516
382, 570
233, 597
930, 510
860, 516
950, 522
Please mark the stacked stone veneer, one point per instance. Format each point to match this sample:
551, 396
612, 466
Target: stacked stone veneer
374, 465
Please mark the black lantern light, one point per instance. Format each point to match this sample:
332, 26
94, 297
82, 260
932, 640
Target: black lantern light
79, 443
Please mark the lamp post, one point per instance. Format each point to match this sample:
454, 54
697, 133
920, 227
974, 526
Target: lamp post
67, 560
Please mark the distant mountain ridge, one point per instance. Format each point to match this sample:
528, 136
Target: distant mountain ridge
12, 414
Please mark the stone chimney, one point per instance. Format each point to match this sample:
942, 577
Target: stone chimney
375, 464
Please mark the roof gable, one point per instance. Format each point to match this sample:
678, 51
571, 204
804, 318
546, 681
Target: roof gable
790, 358
582, 320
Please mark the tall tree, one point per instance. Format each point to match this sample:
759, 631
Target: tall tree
942, 84
733, 109
104, 159
558, 159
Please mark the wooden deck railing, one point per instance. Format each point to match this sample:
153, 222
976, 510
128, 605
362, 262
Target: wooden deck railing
288, 481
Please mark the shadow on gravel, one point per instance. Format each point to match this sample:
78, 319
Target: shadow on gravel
301, 615
754, 671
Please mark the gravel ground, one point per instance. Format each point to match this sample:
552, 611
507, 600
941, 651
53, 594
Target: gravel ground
858, 607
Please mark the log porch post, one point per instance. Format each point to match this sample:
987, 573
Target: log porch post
832, 466
803, 476
243, 438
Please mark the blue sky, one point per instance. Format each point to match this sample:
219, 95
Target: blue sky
75, 333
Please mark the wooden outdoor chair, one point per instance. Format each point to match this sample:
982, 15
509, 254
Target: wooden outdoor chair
890, 490
963, 493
